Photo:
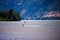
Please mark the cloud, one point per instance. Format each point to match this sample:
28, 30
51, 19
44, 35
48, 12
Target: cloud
52, 14
37, 14
40, 1
23, 11
19, 3
58, 14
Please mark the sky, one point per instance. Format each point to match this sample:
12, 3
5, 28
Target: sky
31, 9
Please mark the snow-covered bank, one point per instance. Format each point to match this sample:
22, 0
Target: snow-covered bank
32, 22
31, 30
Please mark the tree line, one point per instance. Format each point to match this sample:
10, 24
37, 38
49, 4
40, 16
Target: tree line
9, 15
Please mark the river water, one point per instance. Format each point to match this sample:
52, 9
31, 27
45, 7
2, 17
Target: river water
30, 30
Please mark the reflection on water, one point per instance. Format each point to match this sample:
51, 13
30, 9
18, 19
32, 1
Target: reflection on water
32, 30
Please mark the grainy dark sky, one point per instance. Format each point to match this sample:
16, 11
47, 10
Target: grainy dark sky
30, 9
